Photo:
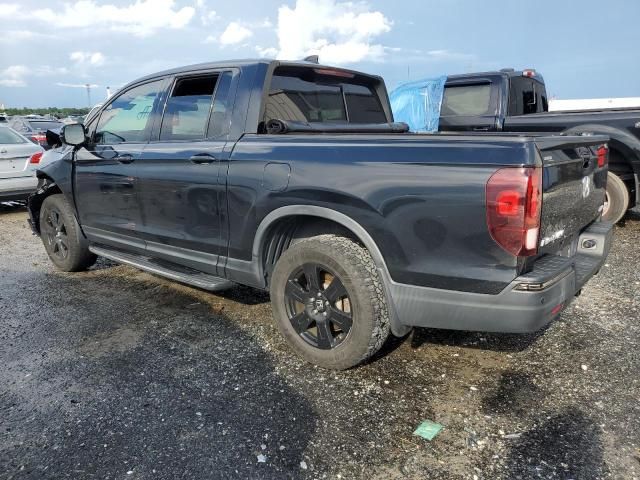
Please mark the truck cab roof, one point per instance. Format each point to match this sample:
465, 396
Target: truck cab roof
505, 73
248, 63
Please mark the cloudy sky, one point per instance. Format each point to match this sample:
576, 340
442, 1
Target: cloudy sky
49, 49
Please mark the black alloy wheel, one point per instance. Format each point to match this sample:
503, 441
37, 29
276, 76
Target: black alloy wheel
63, 240
54, 232
318, 306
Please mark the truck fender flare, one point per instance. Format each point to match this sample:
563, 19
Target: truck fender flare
622, 141
349, 223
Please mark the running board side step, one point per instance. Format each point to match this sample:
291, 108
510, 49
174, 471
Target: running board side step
187, 275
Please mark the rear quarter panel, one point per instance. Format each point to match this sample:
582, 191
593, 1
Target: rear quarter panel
421, 198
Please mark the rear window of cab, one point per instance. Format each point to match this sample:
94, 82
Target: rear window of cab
306, 94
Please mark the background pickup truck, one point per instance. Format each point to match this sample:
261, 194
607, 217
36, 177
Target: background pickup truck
516, 101
292, 177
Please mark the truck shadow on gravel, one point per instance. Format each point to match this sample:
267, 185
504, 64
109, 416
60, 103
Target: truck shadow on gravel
134, 381
565, 445
499, 342
630, 217
515, 394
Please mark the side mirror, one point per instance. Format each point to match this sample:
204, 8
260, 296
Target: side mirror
73, 134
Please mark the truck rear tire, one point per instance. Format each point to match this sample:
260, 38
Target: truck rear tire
328, 301
616, 199
65, 244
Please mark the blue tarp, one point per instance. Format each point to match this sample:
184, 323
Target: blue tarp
418, 103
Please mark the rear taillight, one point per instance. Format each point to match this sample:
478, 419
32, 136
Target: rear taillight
603, 155
514, 203
39, 138
35, 158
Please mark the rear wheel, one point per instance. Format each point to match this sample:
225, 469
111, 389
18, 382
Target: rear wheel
66, 246
616, 200
328, 301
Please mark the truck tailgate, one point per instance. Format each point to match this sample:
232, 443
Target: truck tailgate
573, 188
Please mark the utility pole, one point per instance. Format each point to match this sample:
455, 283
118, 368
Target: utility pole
88, 85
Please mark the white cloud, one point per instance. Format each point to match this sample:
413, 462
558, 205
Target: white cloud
95, 59
338, 32
17, 75
9, 9
143, 17
13, 76
234, 34
268, 52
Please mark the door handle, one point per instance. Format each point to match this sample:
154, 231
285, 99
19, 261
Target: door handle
480, 129
202, 158
125, 158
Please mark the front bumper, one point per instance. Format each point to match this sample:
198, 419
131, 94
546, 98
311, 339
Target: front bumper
526, 305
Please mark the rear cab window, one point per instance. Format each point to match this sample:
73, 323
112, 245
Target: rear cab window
310, 95
467, 100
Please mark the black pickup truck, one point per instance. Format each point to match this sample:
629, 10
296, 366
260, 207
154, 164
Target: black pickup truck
292, 177
516, 101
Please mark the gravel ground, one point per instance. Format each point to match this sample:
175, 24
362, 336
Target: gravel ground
117, 374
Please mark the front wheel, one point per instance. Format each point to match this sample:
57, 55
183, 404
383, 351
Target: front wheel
616, 201
66, 246
328, 301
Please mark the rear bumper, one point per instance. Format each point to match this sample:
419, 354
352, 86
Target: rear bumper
17, 188
526, 305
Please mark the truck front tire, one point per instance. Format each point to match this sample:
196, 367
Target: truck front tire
616, 199
328, 301
64, 242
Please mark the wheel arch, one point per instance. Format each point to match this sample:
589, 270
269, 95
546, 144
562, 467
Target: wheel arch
327, 218
46, 187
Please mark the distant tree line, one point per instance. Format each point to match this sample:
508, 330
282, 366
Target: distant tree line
58, 112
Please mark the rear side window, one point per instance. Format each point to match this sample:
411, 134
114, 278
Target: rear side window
466, 100
186, 114
524, 97
127, 118
222, 104
304, 95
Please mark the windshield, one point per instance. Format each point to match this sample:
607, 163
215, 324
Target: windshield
322, 95
8, 137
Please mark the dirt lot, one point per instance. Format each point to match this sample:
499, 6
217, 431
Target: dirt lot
117, 374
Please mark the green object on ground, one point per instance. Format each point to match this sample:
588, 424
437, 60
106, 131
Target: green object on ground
428, 430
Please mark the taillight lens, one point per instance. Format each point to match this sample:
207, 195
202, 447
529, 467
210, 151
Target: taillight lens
514, 203
35, 158
603, 155
39, 138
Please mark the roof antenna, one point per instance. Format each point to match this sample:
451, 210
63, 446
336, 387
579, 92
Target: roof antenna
311, 58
